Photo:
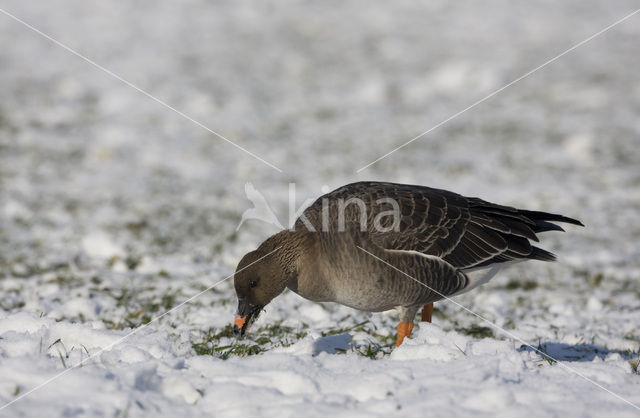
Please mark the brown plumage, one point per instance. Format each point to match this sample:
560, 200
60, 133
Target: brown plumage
344, 248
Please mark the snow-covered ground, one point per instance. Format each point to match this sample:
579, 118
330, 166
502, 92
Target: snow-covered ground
114, 209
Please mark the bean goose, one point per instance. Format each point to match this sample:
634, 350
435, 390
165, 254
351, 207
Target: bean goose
378, 246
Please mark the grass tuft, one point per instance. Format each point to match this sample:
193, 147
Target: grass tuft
337, 331
372, 350
524, 285
476, 331
595, 281
216, 342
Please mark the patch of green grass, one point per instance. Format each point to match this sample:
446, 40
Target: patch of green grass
278, 330
136, 227
67, 280
379, 346
595, 281
634, 365
263, 339
521, 284
132, 262
11, 301
386, 340
542, 350
476, 331
239, 350
139, 309
373, 350
509, 324
211, 337
66, 355
337, 331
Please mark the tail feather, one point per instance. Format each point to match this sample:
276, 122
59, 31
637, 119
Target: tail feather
546, 216
542, 255
544, 226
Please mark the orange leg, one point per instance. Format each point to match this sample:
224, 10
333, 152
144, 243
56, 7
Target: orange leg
404, 330
427, 310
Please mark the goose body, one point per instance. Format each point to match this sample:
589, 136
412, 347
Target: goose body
337, 270
378, 246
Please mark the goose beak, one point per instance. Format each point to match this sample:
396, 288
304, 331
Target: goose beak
246, 315
238, 323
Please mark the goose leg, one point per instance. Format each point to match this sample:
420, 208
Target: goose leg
427, 310
406, 323
404, 330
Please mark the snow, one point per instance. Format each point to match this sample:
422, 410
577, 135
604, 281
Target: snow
98, 244
114, 209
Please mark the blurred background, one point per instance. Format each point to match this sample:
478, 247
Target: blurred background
112, 204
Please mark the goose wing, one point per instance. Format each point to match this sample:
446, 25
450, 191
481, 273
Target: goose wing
465, 232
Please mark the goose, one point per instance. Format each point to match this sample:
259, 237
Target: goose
377, 246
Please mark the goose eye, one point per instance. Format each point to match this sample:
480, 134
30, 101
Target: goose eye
253, 283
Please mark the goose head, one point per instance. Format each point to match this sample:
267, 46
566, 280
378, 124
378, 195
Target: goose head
258, 279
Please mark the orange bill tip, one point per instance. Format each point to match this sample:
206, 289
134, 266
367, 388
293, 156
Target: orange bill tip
239, 321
